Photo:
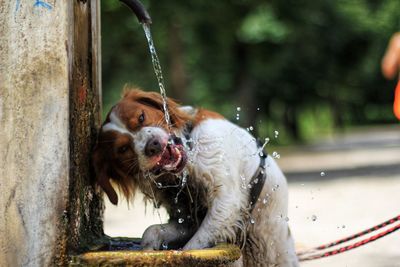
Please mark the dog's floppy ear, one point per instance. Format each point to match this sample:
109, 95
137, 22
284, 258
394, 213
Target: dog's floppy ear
101, 168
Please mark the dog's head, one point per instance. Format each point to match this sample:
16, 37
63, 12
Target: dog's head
135, 139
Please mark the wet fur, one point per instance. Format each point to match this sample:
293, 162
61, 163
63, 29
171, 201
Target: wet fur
214, 205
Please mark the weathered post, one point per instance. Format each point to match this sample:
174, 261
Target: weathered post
49, 113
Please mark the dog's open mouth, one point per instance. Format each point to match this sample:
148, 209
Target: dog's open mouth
173, 159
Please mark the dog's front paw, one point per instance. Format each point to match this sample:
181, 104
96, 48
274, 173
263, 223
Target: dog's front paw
197, 244
152, 238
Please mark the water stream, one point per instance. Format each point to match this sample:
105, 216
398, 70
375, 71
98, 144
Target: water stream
160, 80
157, 70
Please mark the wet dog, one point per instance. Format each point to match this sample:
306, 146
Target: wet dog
209, 174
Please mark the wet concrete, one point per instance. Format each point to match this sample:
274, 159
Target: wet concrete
220, 255
49, 115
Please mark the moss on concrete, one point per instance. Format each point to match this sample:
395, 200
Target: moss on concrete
220, 255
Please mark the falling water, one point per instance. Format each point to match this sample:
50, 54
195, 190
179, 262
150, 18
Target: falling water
157, 70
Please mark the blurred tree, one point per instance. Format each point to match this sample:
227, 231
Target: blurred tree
299, 66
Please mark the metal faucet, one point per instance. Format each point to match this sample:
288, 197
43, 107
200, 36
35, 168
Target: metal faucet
140, 11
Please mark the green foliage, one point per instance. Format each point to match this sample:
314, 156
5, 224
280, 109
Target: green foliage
309, 66
262, 25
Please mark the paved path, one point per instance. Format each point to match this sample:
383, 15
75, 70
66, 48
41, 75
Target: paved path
361, 188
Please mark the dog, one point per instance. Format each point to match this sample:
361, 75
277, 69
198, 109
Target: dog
211, 176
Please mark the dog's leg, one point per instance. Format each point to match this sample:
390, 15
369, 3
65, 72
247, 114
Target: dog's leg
166, 236
220, 221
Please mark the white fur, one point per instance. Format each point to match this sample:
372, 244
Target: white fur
225, 159
140, 138
116, 124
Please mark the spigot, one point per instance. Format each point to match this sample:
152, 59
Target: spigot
140, 11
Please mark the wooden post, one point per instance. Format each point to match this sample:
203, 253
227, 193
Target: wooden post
49, 114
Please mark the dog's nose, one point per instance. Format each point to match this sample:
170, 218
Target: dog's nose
153, 147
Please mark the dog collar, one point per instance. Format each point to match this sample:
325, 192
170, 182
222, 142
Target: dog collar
258, 180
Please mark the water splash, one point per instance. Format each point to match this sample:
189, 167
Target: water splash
164, 245
276, 155
157, 70
183, 178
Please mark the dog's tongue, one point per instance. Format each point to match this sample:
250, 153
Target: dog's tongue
170, 155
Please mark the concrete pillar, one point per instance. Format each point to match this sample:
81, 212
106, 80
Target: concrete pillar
49, 113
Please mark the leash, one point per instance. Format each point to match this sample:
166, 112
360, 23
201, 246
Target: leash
305, 256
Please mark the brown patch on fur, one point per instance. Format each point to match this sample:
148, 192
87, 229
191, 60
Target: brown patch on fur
114, 157
152, 104
204, 114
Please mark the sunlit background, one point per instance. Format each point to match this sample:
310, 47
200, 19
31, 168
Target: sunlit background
308, 69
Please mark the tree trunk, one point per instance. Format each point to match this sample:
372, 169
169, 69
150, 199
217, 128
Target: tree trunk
179, 81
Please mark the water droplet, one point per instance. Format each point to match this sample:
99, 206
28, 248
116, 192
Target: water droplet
276, 155
249, 186
238, 109
164, 245
276, 134
265, 201
323, 174
313, 218
258, 109
256, 181
181, 220
266, 140
252, 221
251, 128
159, 185
179, 211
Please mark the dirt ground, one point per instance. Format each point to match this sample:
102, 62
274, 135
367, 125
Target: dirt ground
359, 188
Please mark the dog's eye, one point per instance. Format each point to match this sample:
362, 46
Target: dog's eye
141, 118
123, 149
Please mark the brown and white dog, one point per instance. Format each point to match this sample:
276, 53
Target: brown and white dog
200, 170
